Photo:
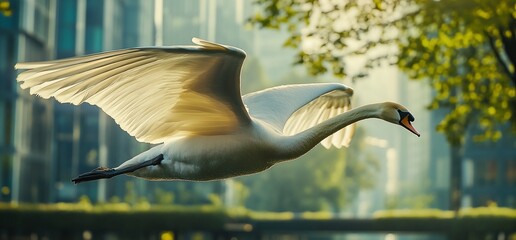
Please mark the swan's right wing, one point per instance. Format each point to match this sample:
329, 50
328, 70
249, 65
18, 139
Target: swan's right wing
152, 93
291, 109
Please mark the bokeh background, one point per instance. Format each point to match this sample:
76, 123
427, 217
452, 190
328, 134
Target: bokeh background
450, 62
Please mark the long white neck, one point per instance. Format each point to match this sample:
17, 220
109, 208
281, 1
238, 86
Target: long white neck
298, 144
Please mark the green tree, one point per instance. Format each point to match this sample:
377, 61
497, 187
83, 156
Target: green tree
466, 49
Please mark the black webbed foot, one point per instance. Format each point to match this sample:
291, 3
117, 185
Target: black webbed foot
103, 172
98, 173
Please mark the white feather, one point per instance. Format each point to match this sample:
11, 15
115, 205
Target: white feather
188, 99
152, 93
324, 107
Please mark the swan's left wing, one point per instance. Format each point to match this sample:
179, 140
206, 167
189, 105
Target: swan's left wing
319, 110
291, 109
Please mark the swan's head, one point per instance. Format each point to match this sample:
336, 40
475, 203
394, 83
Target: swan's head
398, 114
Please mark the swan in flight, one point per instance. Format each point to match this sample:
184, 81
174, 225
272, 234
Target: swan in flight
186, 99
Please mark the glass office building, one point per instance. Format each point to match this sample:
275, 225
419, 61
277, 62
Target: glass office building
489, 171
42, 144
25, 122
84, 136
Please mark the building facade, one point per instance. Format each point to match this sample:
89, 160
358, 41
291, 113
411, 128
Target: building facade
26, 130
85, 136
489, 171
43, 145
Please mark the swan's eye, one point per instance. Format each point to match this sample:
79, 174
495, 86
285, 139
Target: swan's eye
404, 114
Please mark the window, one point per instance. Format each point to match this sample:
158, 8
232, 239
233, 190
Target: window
66, 28
6, 124
485, 172
94, 26
7, 57
510, 172
3, 126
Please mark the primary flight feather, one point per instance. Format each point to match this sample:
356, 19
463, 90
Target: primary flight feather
187, 99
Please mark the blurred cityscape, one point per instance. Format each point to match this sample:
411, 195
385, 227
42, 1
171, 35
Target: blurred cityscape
44, 144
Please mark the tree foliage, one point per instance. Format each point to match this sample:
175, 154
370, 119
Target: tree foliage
5, 8
465, 48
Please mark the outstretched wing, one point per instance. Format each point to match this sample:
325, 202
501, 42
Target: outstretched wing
292, 109
152, 93
321, 109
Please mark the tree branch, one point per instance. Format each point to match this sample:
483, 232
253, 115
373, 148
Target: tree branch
509, 47
499, 58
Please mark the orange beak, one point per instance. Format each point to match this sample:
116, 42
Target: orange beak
406, 123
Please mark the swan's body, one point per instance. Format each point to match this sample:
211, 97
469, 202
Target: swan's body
187, 100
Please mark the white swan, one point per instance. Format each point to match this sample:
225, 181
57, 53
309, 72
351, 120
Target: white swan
187, 99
